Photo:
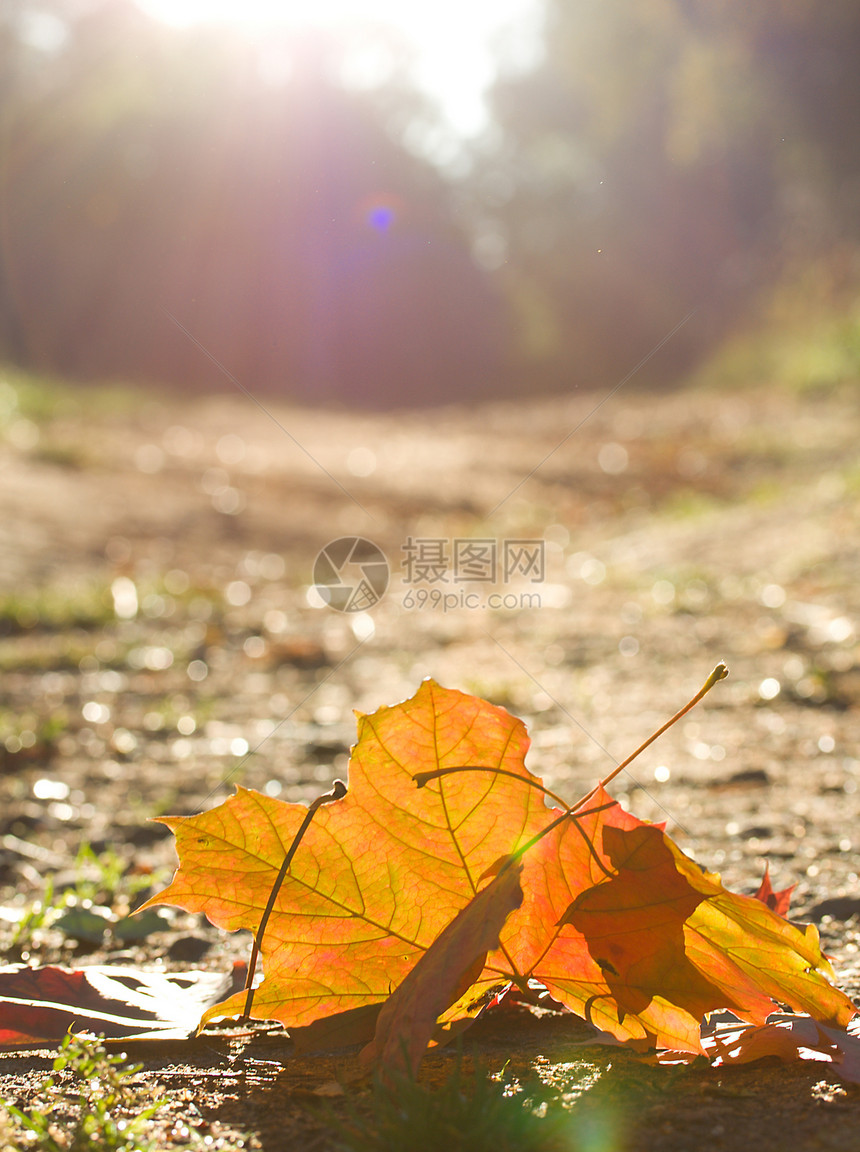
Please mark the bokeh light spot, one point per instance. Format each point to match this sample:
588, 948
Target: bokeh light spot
381, 217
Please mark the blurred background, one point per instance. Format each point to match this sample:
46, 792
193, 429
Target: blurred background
362, 209
378, 204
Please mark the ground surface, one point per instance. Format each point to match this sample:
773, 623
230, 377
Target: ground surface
680, 530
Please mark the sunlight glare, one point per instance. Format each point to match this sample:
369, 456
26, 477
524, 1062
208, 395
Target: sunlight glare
454, 42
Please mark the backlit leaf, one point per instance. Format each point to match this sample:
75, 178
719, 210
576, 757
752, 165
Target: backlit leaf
447, 969
785, 1036
644, 942
616, 921
380, 873
40, 1005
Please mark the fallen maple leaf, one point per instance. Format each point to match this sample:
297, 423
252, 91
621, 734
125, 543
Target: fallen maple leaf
40, 1005
779, 902
616, 921
629, 932
379, 873
787, 1037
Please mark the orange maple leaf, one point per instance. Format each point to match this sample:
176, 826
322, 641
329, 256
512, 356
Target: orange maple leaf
642, 942
380, 873
616, 921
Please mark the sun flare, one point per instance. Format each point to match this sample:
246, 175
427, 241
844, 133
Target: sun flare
453, 43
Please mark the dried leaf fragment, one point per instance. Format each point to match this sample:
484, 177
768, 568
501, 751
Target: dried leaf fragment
447, 969
779, 902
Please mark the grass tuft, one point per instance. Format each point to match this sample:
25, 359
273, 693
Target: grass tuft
465, 1113
102, 1110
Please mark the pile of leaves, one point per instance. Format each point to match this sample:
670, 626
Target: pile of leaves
393, 912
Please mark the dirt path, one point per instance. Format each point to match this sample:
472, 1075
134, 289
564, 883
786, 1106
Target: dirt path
155, 627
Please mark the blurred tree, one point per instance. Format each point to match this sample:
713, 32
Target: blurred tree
242, 188
655, 161
661, 157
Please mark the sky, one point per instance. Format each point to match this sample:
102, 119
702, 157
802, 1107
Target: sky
454, 40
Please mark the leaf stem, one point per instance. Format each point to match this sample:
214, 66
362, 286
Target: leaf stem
337, 793
571, 811
422, 778
719, 673
567, 814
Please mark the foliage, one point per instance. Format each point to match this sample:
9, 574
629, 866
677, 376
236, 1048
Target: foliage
647, 162
805, 336
40, 914
364, 894
106, 1112
665, 158
478, 1113
106, 878
182, 157
56, 608
102, 880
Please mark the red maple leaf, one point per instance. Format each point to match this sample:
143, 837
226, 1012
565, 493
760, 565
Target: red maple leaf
778, 902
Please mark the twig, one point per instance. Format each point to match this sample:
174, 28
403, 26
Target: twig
337, 793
